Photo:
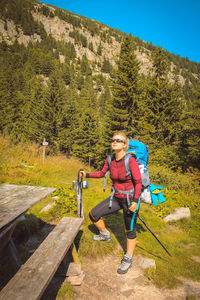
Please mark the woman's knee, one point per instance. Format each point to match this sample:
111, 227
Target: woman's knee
131, 234
93, 218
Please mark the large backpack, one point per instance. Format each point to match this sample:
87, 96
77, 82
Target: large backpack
141, 153
140, 150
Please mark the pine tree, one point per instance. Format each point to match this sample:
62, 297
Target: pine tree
66, 73
85, 136
90, 46
125, 90
79, 80
33, 114
106, 66
85, 68
12, 83
54, 101
66, 134
85, 133
189, 137
99, 49
163, 101
103, 147
6, 107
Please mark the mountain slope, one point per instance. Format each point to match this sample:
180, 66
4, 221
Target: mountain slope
57, 76
91, 38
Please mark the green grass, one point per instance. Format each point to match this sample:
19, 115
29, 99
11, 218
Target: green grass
191, 297
22, 164
65, 292
168, 269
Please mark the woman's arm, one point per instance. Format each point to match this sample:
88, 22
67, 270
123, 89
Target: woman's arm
98, 174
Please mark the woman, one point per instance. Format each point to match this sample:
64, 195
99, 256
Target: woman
120, 200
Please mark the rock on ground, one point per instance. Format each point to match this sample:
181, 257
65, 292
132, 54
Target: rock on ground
179, 213
147, 263
47, 207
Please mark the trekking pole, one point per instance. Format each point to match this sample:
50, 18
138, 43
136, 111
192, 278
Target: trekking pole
81, 197
80, 183
154, 236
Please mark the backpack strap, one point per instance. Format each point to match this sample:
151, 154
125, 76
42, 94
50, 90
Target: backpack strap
109, 162
127, 193
126, 163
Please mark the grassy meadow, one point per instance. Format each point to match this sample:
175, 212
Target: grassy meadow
23, 164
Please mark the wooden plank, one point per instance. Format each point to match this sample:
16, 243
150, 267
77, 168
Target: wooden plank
34, 276
15, 200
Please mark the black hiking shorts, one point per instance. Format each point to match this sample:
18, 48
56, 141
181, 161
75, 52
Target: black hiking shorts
102, 209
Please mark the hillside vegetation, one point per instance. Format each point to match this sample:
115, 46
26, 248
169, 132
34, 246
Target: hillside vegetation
75, 81
22, 164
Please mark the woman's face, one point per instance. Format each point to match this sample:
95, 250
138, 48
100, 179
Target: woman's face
118, 143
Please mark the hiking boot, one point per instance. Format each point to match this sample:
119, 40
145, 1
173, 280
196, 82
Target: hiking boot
102, 236
126, 263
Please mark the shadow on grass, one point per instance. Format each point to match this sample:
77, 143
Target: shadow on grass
145, 250
115, 223
152, 254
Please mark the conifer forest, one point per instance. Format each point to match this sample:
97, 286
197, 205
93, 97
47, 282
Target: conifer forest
49, 89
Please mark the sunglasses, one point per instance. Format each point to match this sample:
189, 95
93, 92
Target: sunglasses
117, 141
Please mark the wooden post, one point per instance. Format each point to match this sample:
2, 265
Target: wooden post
14, 256
44, 149
75, 254
89, 161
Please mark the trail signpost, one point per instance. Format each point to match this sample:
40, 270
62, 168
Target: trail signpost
44, 144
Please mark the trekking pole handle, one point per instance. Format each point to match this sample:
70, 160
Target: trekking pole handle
80, 181
80, 184
79, 173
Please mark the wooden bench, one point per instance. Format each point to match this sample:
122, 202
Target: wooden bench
34, 276
15, 201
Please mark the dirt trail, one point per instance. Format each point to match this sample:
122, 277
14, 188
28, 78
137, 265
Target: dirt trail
101, 281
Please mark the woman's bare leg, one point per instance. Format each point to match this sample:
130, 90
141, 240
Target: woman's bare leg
131, 243
100, 225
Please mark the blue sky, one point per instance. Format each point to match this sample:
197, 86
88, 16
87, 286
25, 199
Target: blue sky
172, 24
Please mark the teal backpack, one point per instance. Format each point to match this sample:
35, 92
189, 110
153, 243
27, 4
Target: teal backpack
140, 150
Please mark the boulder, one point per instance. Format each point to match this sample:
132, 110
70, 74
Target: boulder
196, 258
147, 263
76, 280
47, 207
179, 213
74, 269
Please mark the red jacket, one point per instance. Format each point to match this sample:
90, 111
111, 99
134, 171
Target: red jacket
118, 176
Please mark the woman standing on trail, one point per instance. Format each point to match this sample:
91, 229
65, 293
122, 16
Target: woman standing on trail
125, 195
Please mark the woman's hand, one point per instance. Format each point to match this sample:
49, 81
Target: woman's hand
133, 206
82, 173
